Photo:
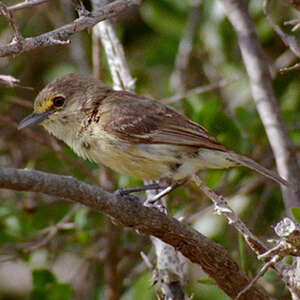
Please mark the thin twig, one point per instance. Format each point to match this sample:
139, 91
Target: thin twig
291, 68
11, 82
25, 4
260, 274
281, 250
221, 207
17, 36
52, 231
289, 40
295, 23
289, 232
184, 50
199, 90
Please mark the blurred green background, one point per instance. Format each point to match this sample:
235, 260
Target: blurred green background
71, 264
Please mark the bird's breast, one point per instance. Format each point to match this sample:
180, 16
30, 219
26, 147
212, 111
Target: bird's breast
144, 161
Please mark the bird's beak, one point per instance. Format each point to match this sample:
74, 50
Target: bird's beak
33, 119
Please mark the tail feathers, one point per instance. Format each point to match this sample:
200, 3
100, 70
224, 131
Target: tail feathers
251, 164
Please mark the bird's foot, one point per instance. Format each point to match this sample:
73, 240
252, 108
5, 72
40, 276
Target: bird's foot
126, 192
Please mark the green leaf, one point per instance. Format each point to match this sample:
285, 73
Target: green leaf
219, 124
41, 278
38, 295
60, 292
296, 213
46, 287
81, 217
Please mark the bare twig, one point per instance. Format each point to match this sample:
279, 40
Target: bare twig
198, 90
275, 254
17, 36
64, 32
184, 50
295, 23
147, 261
289, 40
11, 82
8, 80
49, 232
221, 207
25, 4
79, 7
289, 244
260, 274
52, 231
291, 68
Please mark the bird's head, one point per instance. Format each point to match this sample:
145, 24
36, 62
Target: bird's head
63, 98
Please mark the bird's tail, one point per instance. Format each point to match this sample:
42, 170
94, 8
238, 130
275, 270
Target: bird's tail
251, 164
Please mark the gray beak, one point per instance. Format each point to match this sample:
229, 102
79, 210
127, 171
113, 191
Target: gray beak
33, 119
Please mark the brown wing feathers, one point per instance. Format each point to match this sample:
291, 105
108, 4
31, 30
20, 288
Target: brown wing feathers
148, 121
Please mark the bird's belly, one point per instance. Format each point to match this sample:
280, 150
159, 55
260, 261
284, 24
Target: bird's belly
142, 161
151, 161
205, 159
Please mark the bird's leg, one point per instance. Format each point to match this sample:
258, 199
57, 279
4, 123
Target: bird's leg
126, 191
166, 191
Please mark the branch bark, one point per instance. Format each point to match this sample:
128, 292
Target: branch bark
59, 35
212, 257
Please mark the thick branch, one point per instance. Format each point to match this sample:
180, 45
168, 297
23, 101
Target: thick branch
212, 257
58, 35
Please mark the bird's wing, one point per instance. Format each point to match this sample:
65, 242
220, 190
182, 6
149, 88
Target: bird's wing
148, 121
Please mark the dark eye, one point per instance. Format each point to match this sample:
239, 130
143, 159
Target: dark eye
58, 101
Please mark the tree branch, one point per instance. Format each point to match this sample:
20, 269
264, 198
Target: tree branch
58, 36
212, 257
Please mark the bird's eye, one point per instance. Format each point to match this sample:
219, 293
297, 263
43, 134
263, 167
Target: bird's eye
58, 101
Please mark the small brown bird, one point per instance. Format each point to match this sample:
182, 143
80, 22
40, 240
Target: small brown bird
131, 134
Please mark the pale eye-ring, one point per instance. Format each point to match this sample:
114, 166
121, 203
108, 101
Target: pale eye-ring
58, 101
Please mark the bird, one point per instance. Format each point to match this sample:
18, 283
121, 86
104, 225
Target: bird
131, 134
